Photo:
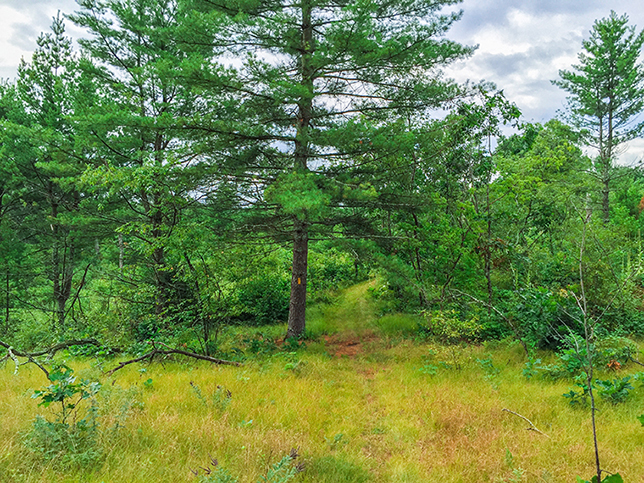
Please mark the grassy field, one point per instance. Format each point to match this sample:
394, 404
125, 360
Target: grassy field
364, 403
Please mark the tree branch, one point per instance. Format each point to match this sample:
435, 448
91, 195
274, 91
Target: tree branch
150, 355
532, 427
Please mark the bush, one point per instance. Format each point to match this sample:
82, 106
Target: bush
264, 300
544, 317
71, 439
615, 391
65, 445
448, 328
330, 268
284, 470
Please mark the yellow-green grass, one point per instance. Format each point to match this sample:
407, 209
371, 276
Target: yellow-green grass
375, 417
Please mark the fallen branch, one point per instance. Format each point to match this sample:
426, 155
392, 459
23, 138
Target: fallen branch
532, 427
13, 353
51, 351
632, 359
13, 357
150, 355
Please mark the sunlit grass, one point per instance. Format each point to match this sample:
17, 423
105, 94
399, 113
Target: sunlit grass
374, 417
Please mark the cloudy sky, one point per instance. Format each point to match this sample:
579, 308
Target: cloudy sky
522, 44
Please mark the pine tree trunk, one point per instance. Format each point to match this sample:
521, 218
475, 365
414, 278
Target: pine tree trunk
297, 305
7, 305
121, 251
606, 200
59, 316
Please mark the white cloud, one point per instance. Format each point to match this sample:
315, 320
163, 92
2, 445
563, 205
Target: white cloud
10, 53
523, 44
21, 24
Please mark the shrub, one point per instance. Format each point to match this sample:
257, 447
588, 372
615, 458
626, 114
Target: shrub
615, 391
264, 300
71, 439
546, 317
281, 472
449, 329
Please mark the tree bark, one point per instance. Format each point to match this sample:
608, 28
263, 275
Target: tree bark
606, 196
121, 251
297, 305
7, 304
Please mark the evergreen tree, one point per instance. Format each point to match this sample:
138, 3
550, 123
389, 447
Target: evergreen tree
319, 81
40, 148
607, 93
148, 165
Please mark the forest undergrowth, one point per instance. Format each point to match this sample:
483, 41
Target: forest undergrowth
365, 399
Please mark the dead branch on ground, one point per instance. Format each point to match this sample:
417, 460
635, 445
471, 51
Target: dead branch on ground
532, 427
168, 351
13, 353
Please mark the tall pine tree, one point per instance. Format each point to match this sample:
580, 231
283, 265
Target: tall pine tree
41, 144
607, 93
148, 164
318, 80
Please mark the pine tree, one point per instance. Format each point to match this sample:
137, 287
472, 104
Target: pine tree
147, 163
40, 144
319, 81
607, 93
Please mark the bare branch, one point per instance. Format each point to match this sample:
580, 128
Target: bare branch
150, 355
532, 427
53, 349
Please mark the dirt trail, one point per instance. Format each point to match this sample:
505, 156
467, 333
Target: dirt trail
353, 317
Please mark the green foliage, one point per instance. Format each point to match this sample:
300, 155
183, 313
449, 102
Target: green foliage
608, 80
607, 353
517, 473
260, 344
614, 478
607, 95
531, 368
63, 445
579, 399
71, 440
65, 391
263, 300
299, 195
331, 268
614, 391
219, 399
284, 470
336, 442
448, 328
488, 367
544, 317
